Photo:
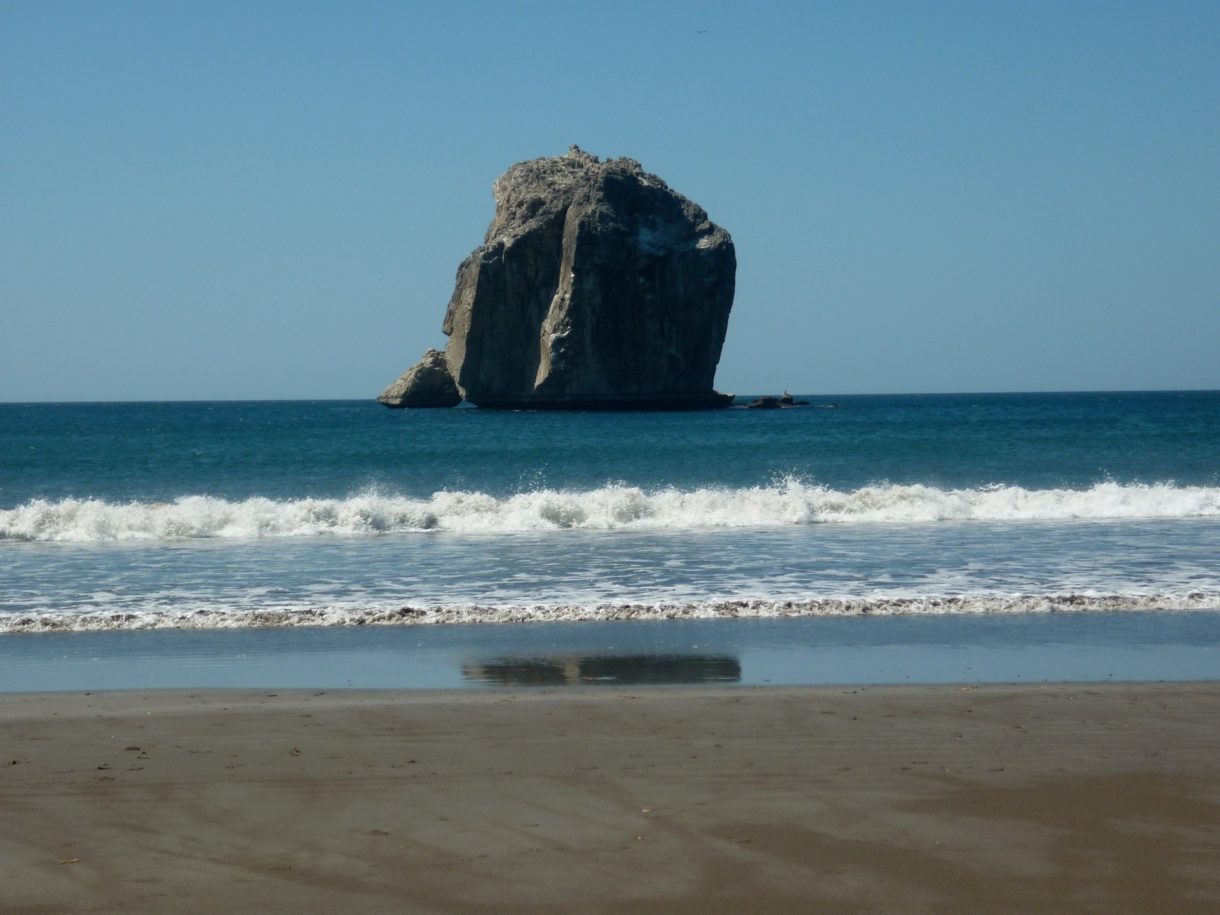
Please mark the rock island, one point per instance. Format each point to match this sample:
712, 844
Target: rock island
597, 286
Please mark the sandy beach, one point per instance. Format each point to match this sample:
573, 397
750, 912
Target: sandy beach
1058, 798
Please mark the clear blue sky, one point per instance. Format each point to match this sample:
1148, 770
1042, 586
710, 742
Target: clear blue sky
269, 199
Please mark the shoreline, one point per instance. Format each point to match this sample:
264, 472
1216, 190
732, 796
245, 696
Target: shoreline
721, 609
1071, 797
804, 651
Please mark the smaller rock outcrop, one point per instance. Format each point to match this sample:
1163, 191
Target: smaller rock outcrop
776, 402
426, 384
767, 402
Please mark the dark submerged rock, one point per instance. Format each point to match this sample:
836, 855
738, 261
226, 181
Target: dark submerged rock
597, 286
776, 402
426, 384
764, 403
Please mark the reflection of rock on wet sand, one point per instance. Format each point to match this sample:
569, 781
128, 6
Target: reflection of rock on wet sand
609, 670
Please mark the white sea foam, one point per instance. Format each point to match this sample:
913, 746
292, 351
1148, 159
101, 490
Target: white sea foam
236, 617
611, 507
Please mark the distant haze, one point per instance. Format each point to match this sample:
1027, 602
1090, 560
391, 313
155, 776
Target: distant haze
269, 200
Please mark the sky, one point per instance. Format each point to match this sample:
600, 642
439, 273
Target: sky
248, 200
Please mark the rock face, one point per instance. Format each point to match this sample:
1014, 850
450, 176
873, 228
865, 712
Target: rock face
596, 286
426, 384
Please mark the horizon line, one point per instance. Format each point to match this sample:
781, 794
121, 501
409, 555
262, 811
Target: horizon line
373, 400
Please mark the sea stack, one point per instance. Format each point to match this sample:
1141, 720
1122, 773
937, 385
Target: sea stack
596, 286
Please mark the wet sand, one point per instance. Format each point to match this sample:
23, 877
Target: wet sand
1083, 797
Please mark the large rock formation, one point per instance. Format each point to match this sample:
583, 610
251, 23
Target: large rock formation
426, 384
596, 286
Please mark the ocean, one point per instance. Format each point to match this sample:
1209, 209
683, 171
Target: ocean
860, 538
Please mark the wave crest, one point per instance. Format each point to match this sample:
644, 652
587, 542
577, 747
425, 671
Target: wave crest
312, 617
611, 507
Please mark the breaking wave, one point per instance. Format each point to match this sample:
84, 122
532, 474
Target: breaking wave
611, 507
307, 616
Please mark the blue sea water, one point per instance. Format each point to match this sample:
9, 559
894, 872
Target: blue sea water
231, 520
